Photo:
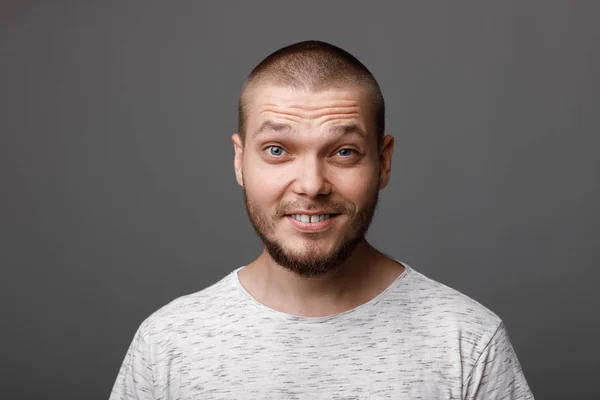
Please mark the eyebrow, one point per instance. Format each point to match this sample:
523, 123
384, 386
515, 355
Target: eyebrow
349, 128
344, 128
273, 126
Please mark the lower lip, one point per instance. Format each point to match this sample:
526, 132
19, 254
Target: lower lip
312, 227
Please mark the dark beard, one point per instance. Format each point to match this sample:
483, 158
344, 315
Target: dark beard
307, 267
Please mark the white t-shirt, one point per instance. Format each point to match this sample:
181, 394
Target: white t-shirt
418, 339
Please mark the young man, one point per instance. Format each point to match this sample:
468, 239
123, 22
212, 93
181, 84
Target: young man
320, 314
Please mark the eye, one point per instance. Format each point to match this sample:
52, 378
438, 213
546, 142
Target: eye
275, 151
345, 152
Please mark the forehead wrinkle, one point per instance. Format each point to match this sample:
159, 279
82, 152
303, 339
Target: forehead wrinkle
320, 109
353, 127
293, 102
271, 118
324, 118
312, 107
329, 117
282, 114
313, 113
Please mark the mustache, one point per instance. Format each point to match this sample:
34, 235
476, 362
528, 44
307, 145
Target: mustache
329, 208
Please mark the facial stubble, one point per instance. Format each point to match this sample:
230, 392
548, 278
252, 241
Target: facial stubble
310, 264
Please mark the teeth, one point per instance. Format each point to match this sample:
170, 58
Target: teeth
311, 218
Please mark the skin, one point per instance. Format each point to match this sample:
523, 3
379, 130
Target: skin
295, 157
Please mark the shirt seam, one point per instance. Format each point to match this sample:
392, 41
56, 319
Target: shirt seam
500, 325
151, 358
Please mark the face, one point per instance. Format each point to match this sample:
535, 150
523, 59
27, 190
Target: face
311, 172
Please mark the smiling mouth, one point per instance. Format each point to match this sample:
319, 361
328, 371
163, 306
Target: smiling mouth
312, 218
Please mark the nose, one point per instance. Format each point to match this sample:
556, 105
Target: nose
311, 180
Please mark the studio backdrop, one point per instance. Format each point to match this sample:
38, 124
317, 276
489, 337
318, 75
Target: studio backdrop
118, 191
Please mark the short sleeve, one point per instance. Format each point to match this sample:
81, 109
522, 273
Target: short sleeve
134, 381
497, 374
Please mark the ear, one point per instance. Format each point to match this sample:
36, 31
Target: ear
238, 159
385, 160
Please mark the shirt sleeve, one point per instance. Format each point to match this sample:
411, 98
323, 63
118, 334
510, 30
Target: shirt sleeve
497, 374
134, 381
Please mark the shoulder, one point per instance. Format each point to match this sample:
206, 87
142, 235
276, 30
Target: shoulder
190, 312
439, 309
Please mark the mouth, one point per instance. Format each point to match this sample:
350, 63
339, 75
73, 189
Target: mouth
312, 223
311, 218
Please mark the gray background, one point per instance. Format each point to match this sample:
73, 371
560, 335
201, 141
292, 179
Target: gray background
118, 191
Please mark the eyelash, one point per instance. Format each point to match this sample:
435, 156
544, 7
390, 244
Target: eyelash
354, 152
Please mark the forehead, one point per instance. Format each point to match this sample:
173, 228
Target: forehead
303, 106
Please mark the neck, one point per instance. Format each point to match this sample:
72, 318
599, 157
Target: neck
364, 275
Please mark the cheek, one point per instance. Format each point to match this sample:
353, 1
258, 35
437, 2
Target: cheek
356, 185
265, 185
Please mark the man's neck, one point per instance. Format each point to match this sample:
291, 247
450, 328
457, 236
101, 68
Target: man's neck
362, 277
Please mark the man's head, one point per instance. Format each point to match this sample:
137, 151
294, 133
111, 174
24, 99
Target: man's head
311, 154
314, 66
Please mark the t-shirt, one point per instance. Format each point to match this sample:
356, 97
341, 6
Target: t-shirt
418, 339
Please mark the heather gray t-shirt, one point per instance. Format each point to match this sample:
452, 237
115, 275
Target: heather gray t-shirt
418, 339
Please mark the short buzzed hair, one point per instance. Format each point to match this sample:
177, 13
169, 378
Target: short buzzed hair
313, 65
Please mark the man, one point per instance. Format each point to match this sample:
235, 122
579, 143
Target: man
320, 314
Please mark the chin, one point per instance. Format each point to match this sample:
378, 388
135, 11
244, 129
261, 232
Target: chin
311, 267
312, 259
310, 248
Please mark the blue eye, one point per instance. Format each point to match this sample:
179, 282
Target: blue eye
345, 152
275, 151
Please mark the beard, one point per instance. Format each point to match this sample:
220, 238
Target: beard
312, 262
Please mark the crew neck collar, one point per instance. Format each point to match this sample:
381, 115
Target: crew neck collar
365, 307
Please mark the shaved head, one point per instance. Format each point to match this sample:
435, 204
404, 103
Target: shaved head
313, 66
